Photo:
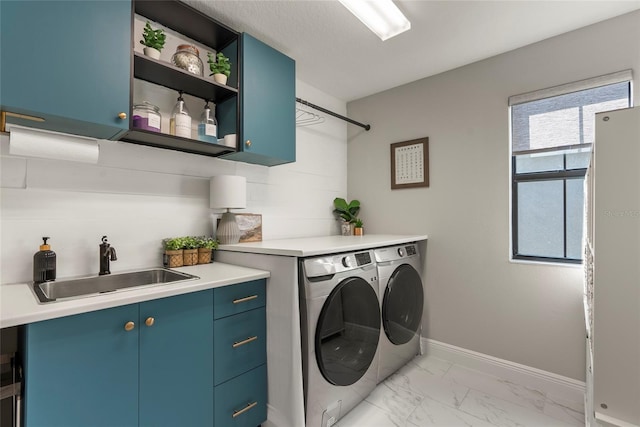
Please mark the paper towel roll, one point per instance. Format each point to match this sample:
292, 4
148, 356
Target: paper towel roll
52, 145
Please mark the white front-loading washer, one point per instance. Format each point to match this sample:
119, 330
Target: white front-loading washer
401, 306
340, 327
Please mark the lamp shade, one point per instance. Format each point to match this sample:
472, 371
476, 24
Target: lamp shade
228, 192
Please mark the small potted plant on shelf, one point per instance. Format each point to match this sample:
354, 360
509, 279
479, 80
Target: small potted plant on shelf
357, 227
347, 211
190, 250
220, 67
173, 253
153, 40
206, 245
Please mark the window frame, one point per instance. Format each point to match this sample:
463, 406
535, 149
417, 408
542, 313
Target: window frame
552, 175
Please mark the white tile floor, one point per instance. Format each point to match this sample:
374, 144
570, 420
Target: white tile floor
434, 392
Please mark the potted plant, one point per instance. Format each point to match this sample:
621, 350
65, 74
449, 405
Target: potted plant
206, 245
220, 67
153, 40
357, 227
173, 252
189, 250
347, 211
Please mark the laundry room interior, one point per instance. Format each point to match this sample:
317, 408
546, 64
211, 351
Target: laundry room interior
439, 227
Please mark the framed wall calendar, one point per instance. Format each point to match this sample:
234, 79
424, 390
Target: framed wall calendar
410, 164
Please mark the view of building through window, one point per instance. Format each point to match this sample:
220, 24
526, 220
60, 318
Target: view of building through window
551, 140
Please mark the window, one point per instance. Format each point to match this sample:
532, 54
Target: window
552, 132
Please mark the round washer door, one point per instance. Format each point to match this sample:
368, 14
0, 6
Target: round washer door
402, 305
348, 331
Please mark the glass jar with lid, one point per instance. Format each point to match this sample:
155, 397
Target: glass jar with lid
146, 116
187, 57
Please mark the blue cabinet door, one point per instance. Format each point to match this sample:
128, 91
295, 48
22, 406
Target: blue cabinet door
82, 370
176, 361
68, 62
267, 105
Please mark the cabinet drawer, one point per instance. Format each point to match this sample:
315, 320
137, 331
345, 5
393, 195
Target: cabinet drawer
235, 299
242, 401
239, 344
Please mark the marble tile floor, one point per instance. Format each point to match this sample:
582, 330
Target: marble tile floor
434, 392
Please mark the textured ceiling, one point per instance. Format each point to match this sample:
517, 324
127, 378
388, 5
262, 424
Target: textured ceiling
337, 54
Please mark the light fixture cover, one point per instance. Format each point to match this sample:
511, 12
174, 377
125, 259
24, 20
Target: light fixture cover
228, 192
381, 16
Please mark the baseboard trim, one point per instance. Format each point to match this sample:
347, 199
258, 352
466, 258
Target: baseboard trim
502, 368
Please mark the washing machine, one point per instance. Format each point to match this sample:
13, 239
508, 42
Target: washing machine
401, 305
340, 328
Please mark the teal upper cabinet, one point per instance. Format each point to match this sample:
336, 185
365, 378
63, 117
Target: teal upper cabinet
67, 62
267, 105
82, 370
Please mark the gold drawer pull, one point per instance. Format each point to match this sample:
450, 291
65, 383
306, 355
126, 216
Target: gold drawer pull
243, 342
243, 410
245, 299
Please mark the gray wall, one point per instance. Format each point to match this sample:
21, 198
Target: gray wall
475, 297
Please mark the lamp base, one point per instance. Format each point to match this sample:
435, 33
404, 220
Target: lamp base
228, 231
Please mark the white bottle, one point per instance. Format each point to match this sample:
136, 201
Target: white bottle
180, 123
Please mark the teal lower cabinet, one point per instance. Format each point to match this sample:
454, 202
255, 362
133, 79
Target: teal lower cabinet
176, 353
82, 370
165, 362
242, 401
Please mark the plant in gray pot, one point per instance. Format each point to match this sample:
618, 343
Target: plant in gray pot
347, 212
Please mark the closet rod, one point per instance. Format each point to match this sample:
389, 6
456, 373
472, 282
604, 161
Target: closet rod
324, 110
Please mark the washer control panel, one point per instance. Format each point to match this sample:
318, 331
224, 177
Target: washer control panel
396, 252
332, 264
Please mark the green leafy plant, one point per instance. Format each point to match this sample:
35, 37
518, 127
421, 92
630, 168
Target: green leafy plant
207, 242
220, 65
189, 243
347, 211
153, 38
173, 243
357, 223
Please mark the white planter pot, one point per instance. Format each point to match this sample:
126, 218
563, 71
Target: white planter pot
220, 78
152, 52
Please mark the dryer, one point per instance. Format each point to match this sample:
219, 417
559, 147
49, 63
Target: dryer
401, 305
340, 327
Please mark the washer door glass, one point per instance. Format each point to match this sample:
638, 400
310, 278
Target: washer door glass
402, 305
348, 331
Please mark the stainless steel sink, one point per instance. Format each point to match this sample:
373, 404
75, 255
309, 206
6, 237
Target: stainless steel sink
87, 286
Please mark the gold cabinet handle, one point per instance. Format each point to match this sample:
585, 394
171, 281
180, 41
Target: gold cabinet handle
248, 143
150, 321
245, 299
122, 115
243, 342
243, 410
129, 326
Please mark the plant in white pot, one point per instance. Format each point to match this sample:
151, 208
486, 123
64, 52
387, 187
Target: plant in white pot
220, 67
348, 212
153, 40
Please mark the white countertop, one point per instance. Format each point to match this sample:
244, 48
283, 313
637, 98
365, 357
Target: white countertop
19, 305
311, 246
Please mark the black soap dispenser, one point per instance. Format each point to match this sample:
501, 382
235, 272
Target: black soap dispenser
44, 263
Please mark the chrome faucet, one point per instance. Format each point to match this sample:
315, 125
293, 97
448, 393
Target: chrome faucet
107, 253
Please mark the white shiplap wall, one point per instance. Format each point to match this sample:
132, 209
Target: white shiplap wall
138, 195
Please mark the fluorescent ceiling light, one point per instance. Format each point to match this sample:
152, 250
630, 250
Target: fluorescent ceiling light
381, 16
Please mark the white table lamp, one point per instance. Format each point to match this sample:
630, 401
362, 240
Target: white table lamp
228, 192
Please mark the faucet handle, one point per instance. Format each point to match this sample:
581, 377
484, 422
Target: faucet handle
104, 239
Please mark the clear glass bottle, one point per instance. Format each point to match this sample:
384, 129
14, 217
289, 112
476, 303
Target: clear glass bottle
207, 128
180, 123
